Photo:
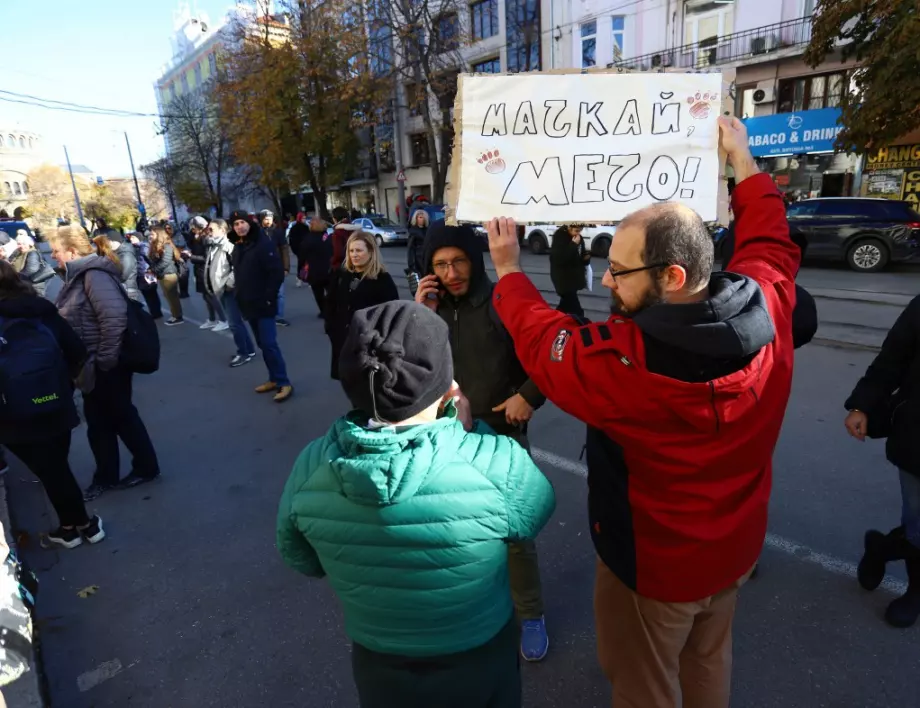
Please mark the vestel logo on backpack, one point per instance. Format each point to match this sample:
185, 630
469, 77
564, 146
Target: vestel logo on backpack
45, 399
34, 379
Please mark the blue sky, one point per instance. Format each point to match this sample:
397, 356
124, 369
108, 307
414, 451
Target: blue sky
104, 53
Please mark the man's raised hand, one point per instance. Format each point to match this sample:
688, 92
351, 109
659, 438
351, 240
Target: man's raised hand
428, 285
504, 246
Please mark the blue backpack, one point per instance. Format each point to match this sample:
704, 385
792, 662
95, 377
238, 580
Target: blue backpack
34, 379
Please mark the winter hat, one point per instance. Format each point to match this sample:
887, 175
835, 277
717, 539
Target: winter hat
266, 212
238, 216
396, 360
199, 222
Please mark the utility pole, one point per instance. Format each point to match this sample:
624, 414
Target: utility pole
137, 189
76, 197
397, 148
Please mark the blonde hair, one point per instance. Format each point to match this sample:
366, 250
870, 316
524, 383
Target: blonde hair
375, 265
159, 238
317, 225
221, 225
73, 238
414, 220
104, 248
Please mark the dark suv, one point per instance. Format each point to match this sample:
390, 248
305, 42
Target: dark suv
866, 233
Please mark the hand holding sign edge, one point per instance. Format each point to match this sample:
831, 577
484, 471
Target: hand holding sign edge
504, 246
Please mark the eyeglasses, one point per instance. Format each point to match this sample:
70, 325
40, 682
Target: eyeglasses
445, 266
629, 271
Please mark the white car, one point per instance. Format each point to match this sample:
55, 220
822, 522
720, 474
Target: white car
597, 238
384, 231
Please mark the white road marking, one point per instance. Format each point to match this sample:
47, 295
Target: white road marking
103, 672
829, 563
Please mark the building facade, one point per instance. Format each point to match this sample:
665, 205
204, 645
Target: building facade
20, 152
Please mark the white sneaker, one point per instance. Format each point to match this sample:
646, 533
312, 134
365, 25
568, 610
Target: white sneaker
221, 326
208, 325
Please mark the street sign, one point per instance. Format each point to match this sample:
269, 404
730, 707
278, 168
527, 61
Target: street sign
100, 181
401, 177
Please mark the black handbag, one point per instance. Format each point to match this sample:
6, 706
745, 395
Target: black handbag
879, 420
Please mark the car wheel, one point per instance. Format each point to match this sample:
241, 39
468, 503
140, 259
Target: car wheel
537, 243
600, 246
379, 239
868, 255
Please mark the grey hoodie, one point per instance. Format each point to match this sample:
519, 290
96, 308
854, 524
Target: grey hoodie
218, 269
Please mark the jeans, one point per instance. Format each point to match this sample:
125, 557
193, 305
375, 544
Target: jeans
910, 507
319, 294
266, 334
280, 315
524, 565
47, 460
170, 285
111, 415
244, 345
570, 304
215, 311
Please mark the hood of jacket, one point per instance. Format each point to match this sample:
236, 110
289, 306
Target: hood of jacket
440, 235
91, 262
388, 465
27, 306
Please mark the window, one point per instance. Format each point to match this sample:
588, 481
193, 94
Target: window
172, 92
708, 27
381, 48
415, 98
420, 154
448, 32
7, 187
212, 63
589, 44
522, 25
12, 140
384, 137
1, 141
849, 208
744, 102
16, 188
800, 209
489, 66
31, 144
25, 187
618, 23
22, 141
184, 83
198, 74
484, 19
811, 92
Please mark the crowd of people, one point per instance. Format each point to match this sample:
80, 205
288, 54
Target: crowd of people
422, 505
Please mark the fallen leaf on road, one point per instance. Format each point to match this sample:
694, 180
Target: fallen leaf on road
87, 591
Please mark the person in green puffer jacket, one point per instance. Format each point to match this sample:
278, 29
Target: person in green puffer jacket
407, 508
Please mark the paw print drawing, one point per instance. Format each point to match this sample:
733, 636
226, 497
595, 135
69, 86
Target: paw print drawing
701, 104
494, 164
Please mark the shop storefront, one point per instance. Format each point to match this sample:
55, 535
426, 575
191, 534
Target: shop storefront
894, 173
797, 150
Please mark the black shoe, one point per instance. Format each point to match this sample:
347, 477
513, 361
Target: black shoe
879, 549
93, 531
95, 489
65, 538
172, 321
134, 479
281, 322
904, 611
240, 360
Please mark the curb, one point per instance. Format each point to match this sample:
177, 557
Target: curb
24, 692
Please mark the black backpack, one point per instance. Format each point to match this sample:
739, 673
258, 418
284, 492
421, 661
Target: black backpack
34, 379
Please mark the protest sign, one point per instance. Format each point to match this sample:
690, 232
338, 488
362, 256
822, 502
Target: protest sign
592, 148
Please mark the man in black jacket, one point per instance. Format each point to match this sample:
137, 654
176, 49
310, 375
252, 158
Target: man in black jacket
279, 239
887, 398
492, 379
568, 259
258, 271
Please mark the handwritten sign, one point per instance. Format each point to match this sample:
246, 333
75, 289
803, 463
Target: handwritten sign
557, 148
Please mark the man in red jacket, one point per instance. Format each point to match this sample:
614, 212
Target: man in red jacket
684, 390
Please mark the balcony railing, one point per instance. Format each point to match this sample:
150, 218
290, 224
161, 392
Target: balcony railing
756, 43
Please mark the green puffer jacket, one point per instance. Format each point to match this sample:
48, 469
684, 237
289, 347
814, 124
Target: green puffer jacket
410, 526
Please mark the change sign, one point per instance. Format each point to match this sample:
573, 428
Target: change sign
556, 148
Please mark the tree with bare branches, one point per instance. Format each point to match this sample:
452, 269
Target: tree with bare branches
164, 177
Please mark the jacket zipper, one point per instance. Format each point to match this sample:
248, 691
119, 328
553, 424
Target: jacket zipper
712, 402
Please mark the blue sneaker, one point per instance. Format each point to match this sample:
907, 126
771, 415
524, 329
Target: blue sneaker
534, 640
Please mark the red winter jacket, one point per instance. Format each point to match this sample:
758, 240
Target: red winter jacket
684, 405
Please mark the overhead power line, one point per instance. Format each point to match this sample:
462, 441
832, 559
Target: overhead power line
54, 105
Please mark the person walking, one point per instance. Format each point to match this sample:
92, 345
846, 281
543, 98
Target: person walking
257, 277
297, 231
494, 382
40, 357
197, 254
568, 259
146, 280
164, 261
219, 283
316, 253
278, 237
111, 244
683, 390
406, 507
886, 403
418, 227
94, 304
182, 269
361, 282
341, 232
30, 264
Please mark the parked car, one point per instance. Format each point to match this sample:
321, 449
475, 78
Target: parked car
384, 231
867, 234
597, 238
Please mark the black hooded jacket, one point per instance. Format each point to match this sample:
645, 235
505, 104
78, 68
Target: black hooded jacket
485, 364
257, 265
74, 351
567, 261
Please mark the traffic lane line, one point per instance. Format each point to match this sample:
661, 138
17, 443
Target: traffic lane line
831, 564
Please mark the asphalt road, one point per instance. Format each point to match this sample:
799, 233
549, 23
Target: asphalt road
194, 607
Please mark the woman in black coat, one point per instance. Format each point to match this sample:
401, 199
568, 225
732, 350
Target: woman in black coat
316, 253
568, 258
887, 398
418, 229
361, 282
